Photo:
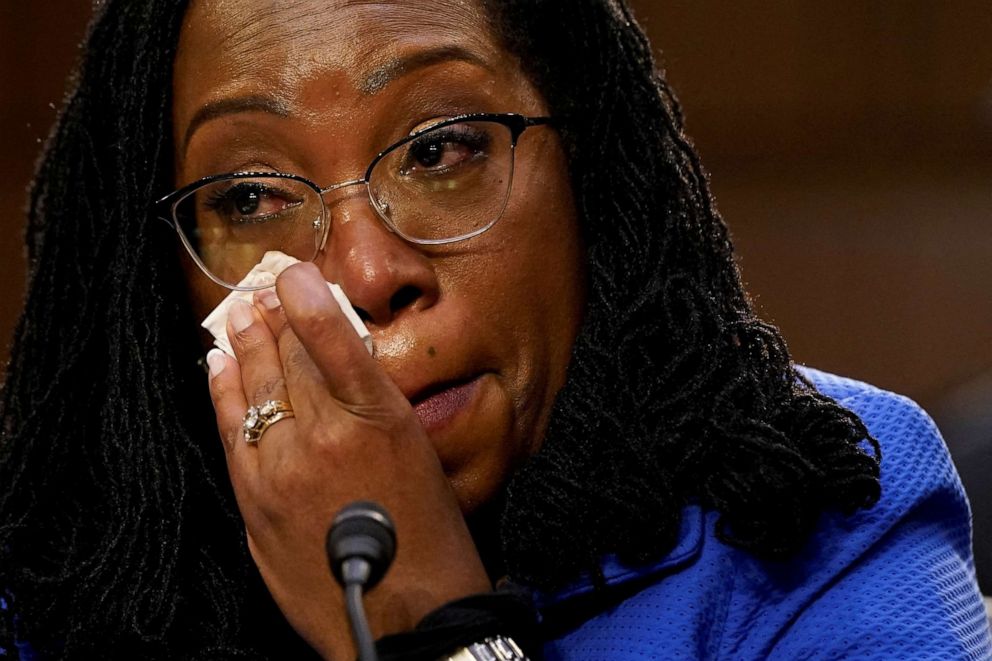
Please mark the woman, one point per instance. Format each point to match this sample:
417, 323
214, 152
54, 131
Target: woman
572, 391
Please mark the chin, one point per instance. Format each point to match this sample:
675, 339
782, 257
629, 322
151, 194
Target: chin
474, 488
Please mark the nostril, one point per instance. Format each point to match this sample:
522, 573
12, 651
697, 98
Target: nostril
404, 297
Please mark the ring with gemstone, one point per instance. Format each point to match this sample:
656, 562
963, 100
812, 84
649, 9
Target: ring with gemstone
260, 418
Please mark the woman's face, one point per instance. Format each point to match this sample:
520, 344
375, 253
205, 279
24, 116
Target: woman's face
477, 334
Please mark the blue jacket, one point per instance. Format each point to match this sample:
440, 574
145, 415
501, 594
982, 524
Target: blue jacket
893, 582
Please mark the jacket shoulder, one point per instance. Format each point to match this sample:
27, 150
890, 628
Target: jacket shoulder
904, 565
915, 463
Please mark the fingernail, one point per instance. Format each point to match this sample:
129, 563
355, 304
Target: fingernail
268, 299
240, 314
216, 361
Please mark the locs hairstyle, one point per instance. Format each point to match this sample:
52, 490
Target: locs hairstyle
119, 535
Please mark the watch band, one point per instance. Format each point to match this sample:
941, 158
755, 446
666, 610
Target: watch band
496, 648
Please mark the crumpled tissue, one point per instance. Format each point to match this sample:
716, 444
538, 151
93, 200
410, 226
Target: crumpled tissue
264, 273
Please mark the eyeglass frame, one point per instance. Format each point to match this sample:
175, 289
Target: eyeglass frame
165, 207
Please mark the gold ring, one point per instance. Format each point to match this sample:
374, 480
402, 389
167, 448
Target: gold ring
260, 418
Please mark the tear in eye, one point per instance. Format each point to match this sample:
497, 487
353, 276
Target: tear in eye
445, 149
436, 154
251, 202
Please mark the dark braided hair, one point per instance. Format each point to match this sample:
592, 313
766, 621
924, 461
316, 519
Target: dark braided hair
119, 535
117, 527
677, 393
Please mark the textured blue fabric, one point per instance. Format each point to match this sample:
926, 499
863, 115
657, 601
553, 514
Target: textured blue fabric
893, 582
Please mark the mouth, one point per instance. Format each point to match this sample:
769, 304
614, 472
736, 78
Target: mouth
439, 404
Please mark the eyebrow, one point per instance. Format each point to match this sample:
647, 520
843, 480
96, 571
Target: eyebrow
371, 83
377, 79
215, 109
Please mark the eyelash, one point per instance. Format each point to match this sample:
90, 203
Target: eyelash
217, 201
472, 139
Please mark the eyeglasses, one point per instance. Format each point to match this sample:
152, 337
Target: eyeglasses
445, 183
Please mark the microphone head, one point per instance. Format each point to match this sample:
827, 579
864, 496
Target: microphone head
362, 530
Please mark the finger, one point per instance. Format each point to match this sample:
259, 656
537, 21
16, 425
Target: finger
316, 320
304, 381
228, 398
270, 308
257, 353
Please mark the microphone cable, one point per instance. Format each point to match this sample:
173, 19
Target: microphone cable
361, 545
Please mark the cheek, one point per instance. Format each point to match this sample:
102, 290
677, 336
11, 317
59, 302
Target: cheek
541, 285
548, 255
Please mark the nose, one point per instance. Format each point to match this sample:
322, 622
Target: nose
383, 276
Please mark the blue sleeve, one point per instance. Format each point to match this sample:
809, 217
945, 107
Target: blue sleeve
909, 590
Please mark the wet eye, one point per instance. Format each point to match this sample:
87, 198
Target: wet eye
435, 153
445, 149
251, 202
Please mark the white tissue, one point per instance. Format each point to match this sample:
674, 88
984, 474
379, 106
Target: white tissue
264, 273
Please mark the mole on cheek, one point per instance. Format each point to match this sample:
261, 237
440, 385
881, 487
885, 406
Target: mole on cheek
431, 351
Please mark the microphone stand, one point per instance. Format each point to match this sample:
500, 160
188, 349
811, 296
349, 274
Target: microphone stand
360, 547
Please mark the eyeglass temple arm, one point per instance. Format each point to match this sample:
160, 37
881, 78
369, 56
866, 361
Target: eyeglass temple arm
535, 121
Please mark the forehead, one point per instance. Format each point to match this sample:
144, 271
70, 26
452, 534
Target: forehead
304, 37
320, 58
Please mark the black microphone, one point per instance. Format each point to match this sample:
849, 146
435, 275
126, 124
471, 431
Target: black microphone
360, 547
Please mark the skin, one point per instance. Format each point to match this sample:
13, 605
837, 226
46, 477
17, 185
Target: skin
502, 308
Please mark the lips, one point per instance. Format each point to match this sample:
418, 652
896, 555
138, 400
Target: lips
438, 405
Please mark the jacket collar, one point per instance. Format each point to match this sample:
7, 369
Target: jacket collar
616, 573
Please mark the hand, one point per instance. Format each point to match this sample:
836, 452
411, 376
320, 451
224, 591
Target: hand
354, 436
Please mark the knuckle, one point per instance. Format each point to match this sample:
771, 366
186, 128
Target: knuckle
296, 358
328, 446
270, 386
249, 344
316, 323
220, 389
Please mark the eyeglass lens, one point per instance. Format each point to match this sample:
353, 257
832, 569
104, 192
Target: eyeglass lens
442, 185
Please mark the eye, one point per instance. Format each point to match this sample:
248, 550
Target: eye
444, 149
250, 201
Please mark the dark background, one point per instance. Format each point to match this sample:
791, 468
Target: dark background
850, 146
